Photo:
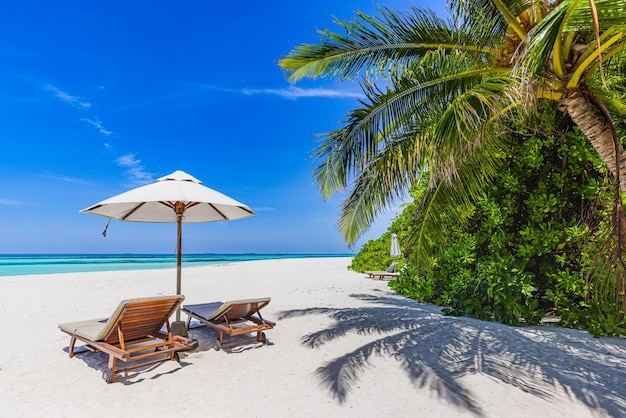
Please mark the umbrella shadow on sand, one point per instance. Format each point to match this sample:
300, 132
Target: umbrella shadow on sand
435, 351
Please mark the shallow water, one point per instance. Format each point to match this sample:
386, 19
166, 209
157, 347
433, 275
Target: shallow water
22, 264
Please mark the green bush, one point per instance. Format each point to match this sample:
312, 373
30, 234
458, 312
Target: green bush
524, 250
374, 255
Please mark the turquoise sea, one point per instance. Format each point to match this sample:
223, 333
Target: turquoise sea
21, 264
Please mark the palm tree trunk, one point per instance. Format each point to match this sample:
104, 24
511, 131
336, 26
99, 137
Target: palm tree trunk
591, 121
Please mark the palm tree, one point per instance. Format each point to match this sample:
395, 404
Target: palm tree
449, 88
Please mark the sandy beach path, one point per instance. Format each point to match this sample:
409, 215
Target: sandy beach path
344, 345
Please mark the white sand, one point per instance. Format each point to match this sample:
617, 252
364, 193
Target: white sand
371, 353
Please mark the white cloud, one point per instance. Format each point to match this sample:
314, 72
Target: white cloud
98, 125
293, 92
134, 169
296, 93
67, 98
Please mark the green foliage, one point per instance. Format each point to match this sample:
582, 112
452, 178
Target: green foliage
525, 249
374, 255
407, 283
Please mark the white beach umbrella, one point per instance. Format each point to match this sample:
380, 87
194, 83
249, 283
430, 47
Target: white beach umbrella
395, 247
177, 198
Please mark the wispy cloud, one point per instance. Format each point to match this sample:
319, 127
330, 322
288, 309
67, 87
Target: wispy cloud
9, 202
67, 98
98, 125
79, 103
136, 172
292, 92
296, 93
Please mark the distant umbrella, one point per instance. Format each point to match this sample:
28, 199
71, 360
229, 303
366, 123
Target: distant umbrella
395, 247
175, 198
394, 252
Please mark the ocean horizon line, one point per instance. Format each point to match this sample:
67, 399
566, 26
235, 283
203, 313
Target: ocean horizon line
53, 263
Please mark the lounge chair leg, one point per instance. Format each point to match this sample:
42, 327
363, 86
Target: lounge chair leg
72, 343
112, 361
219, 342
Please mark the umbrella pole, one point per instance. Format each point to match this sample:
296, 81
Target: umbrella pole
179, 222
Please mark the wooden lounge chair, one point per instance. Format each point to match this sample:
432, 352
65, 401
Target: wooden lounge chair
238, 318
381, 274
390, 272
133, 332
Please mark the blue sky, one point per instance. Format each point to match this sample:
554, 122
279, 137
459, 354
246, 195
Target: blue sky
100, 97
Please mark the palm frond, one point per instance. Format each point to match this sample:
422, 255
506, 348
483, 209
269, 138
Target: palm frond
465, 124
383, 181
447, 144
611, 14
606, 276
484, 17
417, 101
610, 97
590, 59
449, 203
568, 17
539, 43
379, 45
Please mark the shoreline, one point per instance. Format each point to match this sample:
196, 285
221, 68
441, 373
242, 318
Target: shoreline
29, 264
344, 345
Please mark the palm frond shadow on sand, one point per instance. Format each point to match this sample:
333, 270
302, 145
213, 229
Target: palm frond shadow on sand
435, 351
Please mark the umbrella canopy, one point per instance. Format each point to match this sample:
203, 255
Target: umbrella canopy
395, 247
167, 198
176, 198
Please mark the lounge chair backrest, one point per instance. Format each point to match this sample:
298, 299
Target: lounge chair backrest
138, 318
239, 308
